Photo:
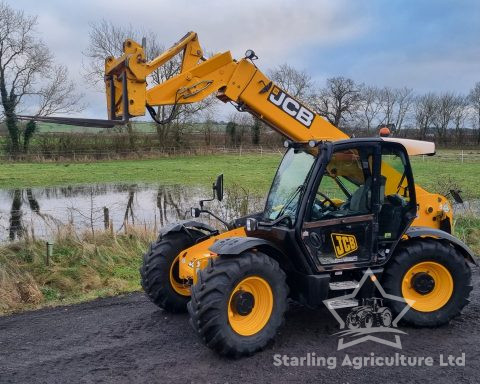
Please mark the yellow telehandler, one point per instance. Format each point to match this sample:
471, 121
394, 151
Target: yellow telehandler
337, 207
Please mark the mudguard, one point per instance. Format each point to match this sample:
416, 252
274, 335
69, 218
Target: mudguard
237, 245
413, 232
184, 225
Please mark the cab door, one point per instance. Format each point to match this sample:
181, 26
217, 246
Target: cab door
339, 222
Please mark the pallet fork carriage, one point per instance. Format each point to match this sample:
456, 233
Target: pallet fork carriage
337, 207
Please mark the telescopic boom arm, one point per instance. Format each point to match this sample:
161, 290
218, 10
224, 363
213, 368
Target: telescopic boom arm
239, 82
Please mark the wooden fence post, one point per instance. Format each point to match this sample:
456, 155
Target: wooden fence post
106, 218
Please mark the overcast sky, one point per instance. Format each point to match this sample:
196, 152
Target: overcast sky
429, 45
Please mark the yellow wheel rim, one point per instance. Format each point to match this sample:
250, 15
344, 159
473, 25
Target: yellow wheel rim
178, 285
253, 322
438, 296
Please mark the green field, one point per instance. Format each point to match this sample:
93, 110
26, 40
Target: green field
255, 172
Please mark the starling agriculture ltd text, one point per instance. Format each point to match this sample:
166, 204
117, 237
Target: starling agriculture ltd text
359, 362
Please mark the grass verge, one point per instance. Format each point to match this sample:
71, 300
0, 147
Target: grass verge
467, 229
82, 268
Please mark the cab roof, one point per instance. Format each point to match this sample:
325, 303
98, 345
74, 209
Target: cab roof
413, 147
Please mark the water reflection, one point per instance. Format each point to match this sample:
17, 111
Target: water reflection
41, 212
16, 224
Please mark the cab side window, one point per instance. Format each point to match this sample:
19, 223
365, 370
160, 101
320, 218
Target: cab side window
346, 186
395, 195
393, 169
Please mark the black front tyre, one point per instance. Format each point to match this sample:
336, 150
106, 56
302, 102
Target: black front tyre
159, 271
366, 320
352, 321
435, 275
238, 303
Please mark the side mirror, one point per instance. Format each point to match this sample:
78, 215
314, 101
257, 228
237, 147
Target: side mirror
251, 224
218, 187
195, 212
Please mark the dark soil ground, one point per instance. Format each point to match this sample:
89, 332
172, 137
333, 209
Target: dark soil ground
128, 340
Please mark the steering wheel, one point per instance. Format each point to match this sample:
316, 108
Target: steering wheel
326, 198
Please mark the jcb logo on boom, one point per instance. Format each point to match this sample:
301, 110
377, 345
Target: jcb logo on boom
343, 244
291, 106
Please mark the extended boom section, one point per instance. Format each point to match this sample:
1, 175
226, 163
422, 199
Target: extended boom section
240, 82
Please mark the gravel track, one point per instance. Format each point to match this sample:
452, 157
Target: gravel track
127, 339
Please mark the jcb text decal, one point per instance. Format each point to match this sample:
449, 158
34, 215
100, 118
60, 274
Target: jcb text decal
343, 244
291, 106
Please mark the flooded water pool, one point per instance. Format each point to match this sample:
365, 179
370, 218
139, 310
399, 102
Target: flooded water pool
42, 212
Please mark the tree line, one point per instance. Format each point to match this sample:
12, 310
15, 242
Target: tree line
357, 107
32, 82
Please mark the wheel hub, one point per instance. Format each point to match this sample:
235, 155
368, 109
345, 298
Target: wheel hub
423, 283
242, 302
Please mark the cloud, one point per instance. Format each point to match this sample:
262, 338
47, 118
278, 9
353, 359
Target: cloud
424, 72
275, 27
428, 45
278, 31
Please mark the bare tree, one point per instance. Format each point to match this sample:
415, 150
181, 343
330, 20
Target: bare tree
446, 105
396, 103
404, 104
338, 100
369, 105
389, 99
459, 116
474, 99
57, 96
425, 110
297, 83
106, 39
28, 74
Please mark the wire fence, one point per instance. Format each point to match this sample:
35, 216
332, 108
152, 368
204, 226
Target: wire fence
455, 155
153, 152
156, 152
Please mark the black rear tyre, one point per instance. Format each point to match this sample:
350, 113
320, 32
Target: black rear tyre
453, 282
159, 272
385, 317
222, 296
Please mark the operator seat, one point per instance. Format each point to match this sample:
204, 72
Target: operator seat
360, 199
383, 181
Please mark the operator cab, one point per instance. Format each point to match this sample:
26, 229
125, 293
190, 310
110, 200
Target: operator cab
348, 201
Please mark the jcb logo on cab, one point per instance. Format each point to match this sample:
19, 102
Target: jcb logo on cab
343, 244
